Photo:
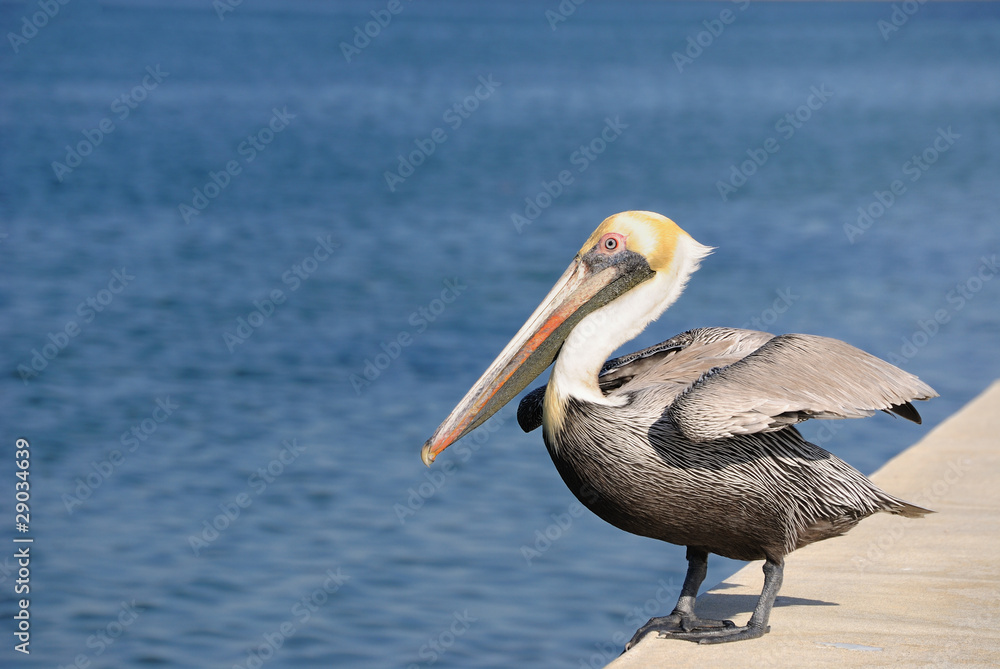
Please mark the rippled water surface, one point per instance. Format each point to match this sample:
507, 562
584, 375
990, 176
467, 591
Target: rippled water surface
214, 480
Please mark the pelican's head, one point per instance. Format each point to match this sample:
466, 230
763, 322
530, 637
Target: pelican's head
635, 258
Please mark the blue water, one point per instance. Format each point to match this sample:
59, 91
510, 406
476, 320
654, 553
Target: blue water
346, 551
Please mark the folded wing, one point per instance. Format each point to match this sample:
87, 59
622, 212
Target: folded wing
720, 382
789, 379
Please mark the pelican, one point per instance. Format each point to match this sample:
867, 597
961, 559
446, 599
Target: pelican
691, 441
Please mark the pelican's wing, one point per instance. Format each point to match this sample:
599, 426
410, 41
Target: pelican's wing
674, 364
789, 379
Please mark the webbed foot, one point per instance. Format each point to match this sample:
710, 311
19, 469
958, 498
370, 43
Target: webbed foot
679, 625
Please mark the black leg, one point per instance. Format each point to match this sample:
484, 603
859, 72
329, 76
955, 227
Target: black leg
682, 619
757, 625
714, 631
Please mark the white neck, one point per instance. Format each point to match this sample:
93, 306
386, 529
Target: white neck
600, 333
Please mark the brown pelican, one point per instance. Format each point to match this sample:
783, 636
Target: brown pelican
690, 441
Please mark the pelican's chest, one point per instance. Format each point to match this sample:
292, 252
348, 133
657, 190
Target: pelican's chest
608, 464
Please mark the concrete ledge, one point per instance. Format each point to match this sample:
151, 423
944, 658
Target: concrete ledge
894, 591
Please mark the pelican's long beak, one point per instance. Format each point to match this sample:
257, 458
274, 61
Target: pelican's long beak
591, 281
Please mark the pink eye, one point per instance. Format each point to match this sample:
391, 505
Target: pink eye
612, 242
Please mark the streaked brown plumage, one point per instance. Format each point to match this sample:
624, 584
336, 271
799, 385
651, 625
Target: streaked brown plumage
693, 491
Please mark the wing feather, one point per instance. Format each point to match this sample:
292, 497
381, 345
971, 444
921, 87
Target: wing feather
789, 379
720, 382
